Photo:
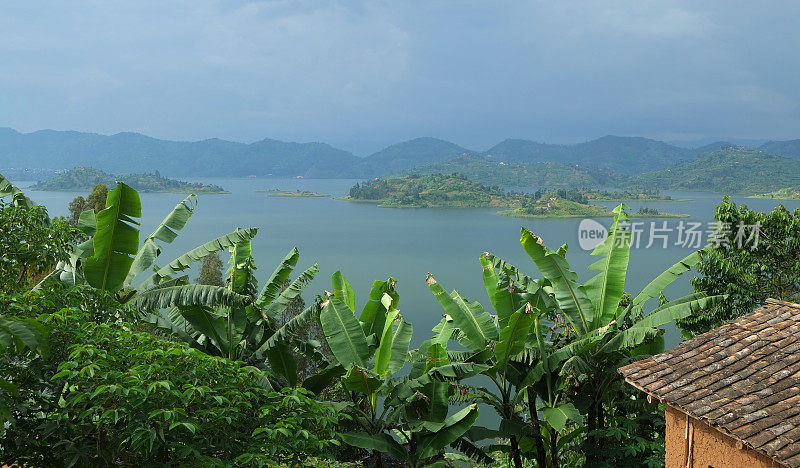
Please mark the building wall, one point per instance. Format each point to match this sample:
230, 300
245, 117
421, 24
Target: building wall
709, 447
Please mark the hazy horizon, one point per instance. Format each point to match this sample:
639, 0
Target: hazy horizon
363, 75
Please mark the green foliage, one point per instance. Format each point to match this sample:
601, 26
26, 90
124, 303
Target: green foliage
211, 271
731, 170
30, 245
84, 178
787, 193
433, 190
131, 398
747, 275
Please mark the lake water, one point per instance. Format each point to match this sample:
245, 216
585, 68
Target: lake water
367, 243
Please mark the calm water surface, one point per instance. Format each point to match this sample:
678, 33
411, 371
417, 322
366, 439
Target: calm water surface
368, 243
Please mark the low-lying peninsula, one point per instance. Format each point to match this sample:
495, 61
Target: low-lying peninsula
290, 194
457, 191
84, 178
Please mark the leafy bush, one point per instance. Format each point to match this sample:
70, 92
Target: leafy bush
121, 396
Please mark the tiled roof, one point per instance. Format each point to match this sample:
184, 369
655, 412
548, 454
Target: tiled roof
743, 377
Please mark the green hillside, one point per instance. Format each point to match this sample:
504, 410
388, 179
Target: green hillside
732, 170
788, 148
84, 178
402, 156
538, 175
623, 155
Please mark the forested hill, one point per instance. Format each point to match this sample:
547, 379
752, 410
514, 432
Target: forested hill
401, 156
732, 170
539, 175
84, 178
133, 152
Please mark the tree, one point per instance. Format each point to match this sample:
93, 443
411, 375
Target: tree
211, 271
747, 269
76, 207
97, 199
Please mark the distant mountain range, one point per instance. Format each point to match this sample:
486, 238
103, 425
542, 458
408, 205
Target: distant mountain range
133, 152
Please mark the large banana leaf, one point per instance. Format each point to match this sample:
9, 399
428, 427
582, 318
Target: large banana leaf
275, 282
361, 380
476, 325
501, 298
116, 240
373, 315
558, 416
293, 290
383, 443
343, 333
454, 427
198, 253
165, 232
18, 199
570, 295
606, 288
401, 339
343, 290
282, 362
288, 329
384, 352
513, 335
209, 324
655, 287
188, 295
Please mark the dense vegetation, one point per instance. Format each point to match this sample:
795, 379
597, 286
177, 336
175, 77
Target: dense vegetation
435, 190
787, 193
102, 367
747, 264
84, 178
552, 175
732, 170
625, 195
296, 194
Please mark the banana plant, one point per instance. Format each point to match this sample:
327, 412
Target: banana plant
603, 328
373, 350
18, 198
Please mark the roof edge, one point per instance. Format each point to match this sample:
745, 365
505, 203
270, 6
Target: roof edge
771, 300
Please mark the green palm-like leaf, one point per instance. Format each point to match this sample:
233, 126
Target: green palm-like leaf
343, 290
165, 232
19, 334
288, 329
570, 295
209, 324
198, 253
373, 315
655, 287
514, 335
188, 295
282, 362
381, 442
606, 288
293, 290
401, 339
343, 333
454, 427
501, 298
18, 198
272, 288
476, 325
116, 239
358, 379
383, 354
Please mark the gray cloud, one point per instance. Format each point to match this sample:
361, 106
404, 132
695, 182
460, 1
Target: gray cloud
363, 74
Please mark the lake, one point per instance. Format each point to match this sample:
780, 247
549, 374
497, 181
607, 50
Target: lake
368, 243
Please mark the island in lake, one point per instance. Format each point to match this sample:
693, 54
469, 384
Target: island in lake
787, 193
627, 195
457, 191
84, 178
290, 194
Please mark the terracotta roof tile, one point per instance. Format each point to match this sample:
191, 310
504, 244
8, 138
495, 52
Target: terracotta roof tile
743, 378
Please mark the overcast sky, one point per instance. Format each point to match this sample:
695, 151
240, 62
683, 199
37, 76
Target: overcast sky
361, 75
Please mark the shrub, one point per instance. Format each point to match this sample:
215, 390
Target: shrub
120, 396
